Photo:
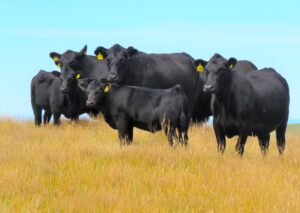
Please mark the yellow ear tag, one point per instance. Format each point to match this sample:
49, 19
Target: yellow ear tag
100, 56
106, 89
230, 66
78, 76
200, 68
59, 65
56, 58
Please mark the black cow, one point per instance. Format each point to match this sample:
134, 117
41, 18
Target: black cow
47, 95
158, 71
72, 63
125, 107
246, 103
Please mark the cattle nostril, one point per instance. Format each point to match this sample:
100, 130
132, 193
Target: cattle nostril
90, 103
63, 89
112, 77
208, 88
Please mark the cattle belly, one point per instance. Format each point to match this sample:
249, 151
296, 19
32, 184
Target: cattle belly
147, 127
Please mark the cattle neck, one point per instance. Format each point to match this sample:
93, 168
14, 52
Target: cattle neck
223, 95
74, 95
108, 97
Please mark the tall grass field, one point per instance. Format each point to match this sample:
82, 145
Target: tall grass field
82, 168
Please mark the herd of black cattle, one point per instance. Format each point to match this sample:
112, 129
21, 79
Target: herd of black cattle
165, 92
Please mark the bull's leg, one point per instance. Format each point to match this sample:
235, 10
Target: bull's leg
220, 138
37, 111
171, 135
56, 118
183, 135
130, 134
264, 143
280, 137
122, 136
166, 130
186, 129
186, 137
75, 119
241, 144
47, 117
180, 136
123, 127
94, 113
165, 125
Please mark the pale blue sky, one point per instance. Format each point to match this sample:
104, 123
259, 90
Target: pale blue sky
265, 32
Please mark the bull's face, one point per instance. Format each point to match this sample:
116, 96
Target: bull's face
116, 58
95, 91
216, 70
70, 65
68, 79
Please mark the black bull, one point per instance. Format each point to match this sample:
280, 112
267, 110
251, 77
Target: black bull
246, 103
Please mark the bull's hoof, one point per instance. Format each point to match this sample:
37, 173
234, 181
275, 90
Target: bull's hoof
240, 152
128, 143
239, 149
221, 148
281, 149
264, 151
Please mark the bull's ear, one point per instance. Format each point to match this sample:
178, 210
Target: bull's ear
83, 51
55, 57
131, 51
231, 63
55, 73
100, 53
199, 65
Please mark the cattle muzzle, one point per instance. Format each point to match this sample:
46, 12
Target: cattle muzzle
208, 88
112, 78
90, 103
64, 89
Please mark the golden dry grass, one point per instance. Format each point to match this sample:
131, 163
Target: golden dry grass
80, 168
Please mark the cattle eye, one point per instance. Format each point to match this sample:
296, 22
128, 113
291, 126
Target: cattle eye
121, 60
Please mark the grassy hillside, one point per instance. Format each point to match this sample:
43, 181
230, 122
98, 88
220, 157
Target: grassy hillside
82, 167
